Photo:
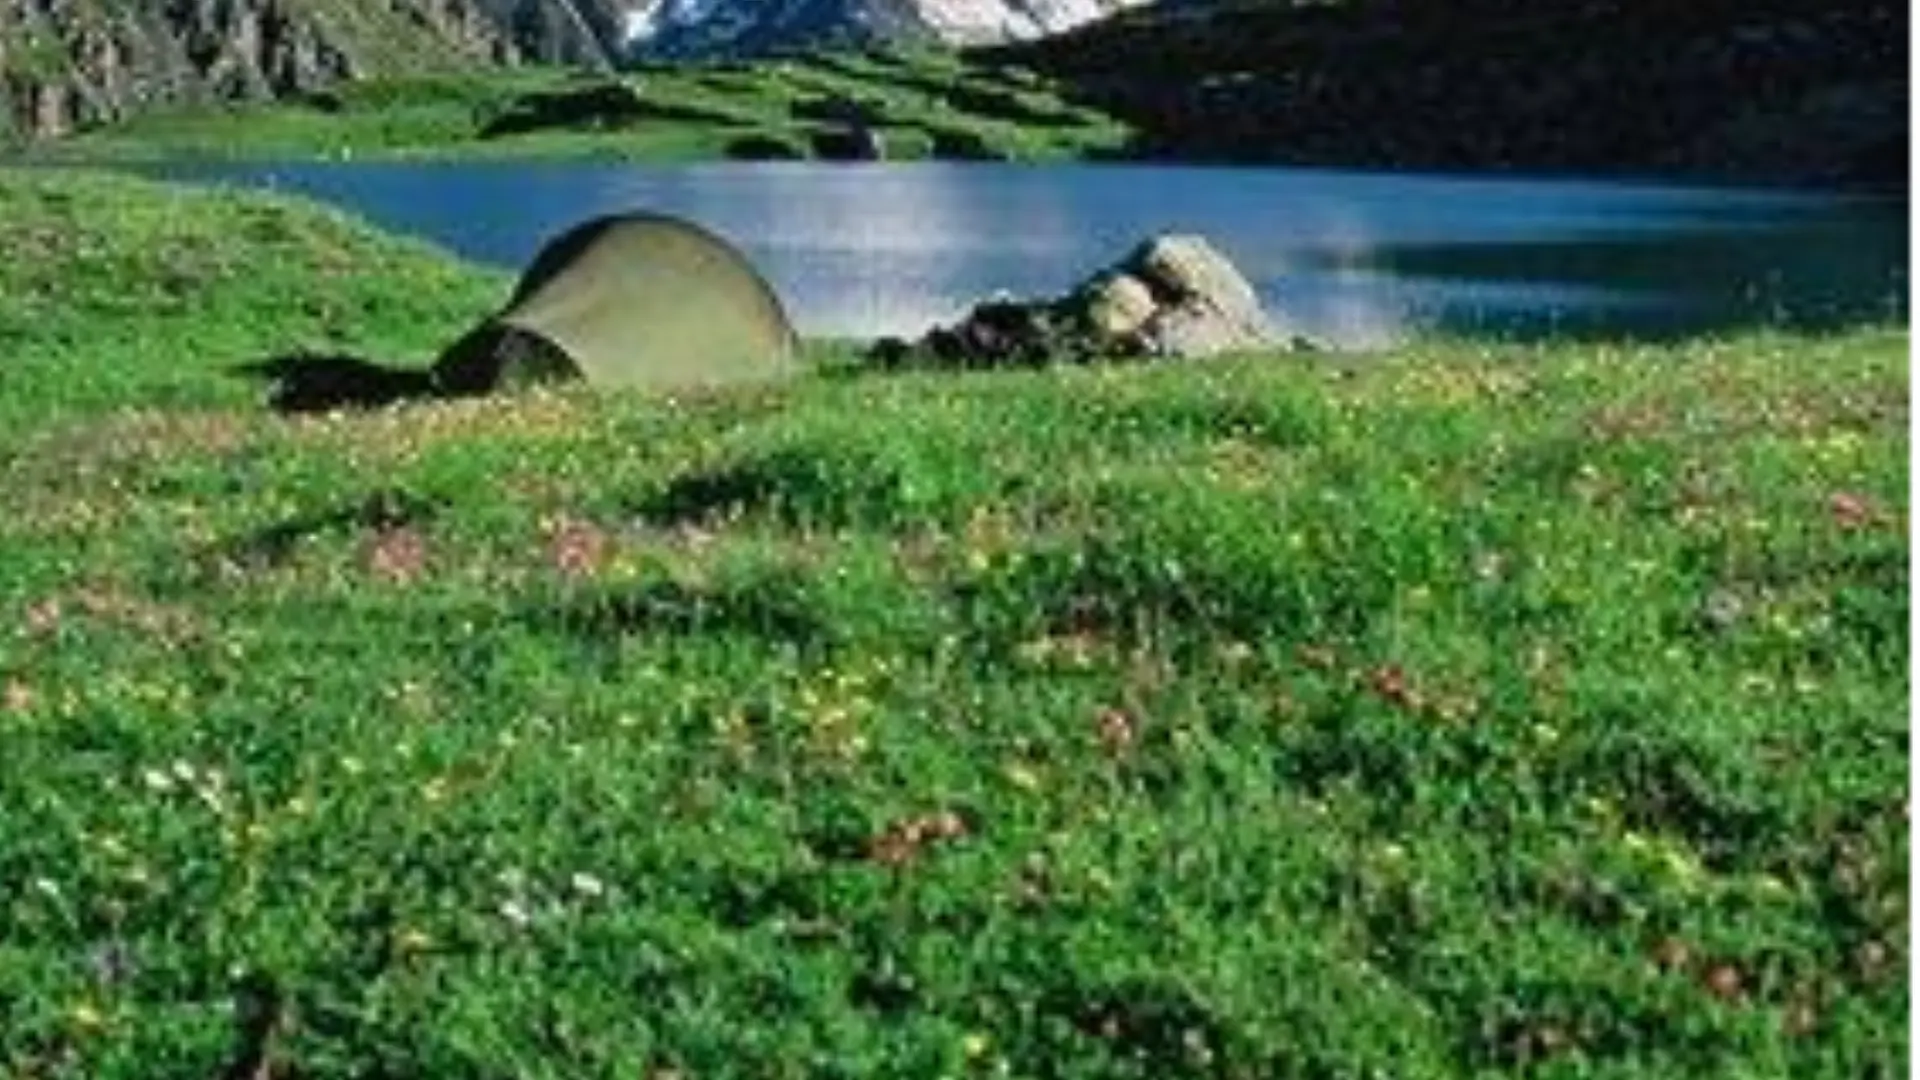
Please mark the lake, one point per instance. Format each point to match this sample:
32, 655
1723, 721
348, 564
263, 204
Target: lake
1354, 259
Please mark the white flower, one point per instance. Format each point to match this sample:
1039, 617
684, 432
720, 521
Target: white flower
588, 885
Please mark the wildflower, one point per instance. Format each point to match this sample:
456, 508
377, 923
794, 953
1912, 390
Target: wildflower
1683, 864
398, 554
1799, 1018
17, 697
515, 911
1022, 777
1390, 682
904, 841
44, 617
1672, 954
1850, 511
111, 962
1723, 981
1116, 730
1316, 657
577, 548
587, 885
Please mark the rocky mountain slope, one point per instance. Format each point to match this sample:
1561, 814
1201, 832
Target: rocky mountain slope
69, 63
678, 27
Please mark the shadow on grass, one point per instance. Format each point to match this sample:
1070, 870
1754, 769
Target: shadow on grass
311, 382
381, 510
705, 496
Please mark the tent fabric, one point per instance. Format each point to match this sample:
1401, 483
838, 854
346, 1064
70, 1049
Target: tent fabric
633, 300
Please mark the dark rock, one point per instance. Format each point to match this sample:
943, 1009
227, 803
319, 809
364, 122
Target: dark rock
1172, 297
844, 111
956, 144
322, 101
604, 105
853, 143
597, 105
761, 146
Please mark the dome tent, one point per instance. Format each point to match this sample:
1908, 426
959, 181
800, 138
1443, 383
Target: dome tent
630, 300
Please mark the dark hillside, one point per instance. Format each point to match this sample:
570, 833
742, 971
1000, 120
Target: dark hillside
1781, 90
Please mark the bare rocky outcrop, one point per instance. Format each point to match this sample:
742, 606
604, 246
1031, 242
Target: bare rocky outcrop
1174, 297
694, 27
70, 64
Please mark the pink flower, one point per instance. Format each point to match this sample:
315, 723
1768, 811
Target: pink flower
577, 548
398, 554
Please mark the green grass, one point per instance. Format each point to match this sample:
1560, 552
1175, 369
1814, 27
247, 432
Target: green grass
1473, 709
443, 116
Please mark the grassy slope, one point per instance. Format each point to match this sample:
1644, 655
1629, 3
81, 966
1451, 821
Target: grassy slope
1470, 707
441, 116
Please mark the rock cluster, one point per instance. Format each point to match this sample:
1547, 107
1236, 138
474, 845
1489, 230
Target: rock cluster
1173, 297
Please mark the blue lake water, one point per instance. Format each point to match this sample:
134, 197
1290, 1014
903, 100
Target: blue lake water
1352, 258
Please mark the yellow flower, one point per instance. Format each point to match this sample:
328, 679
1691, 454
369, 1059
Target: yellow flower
1682, 863
1022, 777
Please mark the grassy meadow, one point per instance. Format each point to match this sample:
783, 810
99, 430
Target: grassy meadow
1471, 709
920, 103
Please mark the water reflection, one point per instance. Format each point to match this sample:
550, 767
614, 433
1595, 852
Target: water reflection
1358, 259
